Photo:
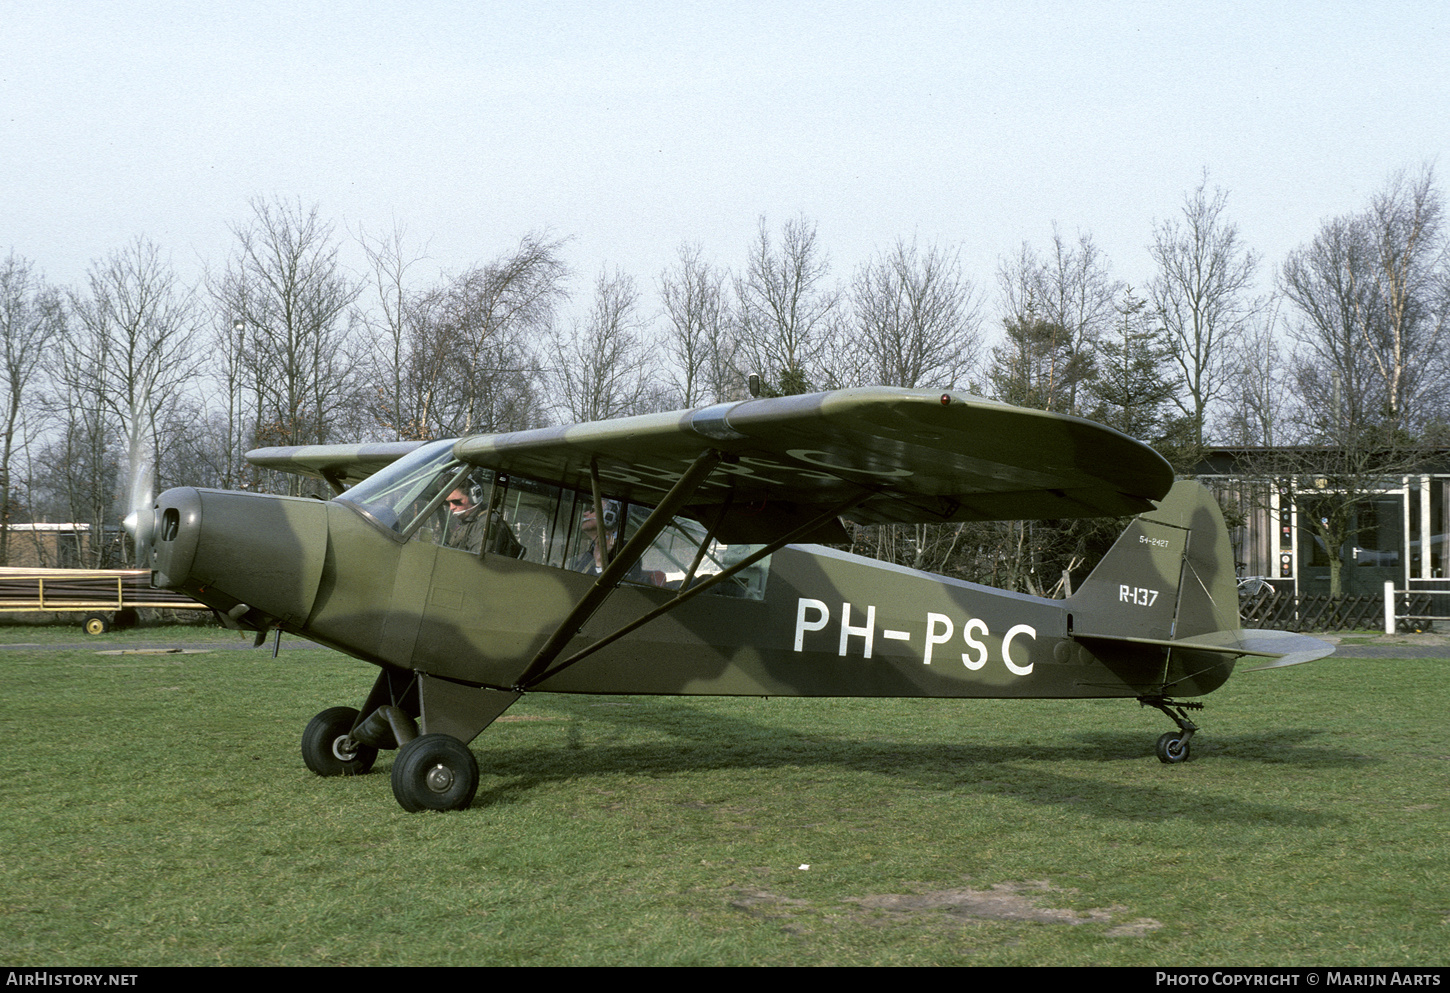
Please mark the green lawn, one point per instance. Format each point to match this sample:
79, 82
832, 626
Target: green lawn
156, 812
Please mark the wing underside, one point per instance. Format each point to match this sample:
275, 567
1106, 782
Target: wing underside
916, 456
904, 456
340, 466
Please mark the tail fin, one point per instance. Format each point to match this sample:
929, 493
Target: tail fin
1169, 580
1169, 576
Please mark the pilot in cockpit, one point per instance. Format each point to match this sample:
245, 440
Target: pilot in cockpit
590, 561
467, 523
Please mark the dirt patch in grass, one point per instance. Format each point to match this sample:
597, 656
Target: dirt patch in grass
1024, 901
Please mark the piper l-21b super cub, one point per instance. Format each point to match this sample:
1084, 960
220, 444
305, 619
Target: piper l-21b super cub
659, 554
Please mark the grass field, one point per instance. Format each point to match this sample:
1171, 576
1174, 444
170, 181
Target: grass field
156, 812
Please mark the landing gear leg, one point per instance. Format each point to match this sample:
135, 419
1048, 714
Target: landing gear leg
1172, 747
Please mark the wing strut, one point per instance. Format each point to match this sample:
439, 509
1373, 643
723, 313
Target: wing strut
693, 591
621, 563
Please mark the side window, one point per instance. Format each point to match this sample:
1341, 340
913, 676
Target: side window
431, 496
677, 550
531, 510
474, 516
401, 497
558, 527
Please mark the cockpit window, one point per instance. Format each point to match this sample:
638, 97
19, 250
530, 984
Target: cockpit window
396, 495
430, 496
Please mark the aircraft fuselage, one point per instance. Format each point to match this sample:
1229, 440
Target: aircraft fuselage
828, 623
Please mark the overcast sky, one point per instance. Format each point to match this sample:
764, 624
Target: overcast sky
631, 127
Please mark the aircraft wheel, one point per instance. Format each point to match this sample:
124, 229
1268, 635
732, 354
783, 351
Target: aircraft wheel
327, 749
435, 772
1172, 749
96, 624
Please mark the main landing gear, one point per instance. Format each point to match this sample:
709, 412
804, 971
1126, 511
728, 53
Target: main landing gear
329, 749
1172, 747
430, 772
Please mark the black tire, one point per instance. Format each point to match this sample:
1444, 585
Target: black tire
328, 751
96, 624
1172, 749
435, 772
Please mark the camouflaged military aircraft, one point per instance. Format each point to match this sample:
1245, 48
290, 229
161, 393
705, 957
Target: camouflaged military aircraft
659, 555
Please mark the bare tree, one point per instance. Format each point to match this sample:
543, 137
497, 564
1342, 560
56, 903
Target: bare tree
287, 289
226, 434
32, 316
134, 325
700, 334
78, 476
1258, 394
1371, 293
913, 322
915, 318
1056, 308
202, 448
390, 325
1405, 225
786, 316
1370, 299
472, 361
600, 365
1200, 294
1328, 281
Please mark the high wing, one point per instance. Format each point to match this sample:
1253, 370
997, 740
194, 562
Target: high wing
340, 466
913, 456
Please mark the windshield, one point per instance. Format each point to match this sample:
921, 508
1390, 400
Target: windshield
395, 495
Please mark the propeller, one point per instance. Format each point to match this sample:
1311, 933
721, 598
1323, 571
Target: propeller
140, 521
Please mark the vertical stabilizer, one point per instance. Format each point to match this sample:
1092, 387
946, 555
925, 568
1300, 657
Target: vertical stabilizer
1169, 576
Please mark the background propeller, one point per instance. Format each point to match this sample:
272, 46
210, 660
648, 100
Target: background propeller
140, 519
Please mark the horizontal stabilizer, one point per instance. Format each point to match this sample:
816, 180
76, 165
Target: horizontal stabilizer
1281, 648
1291, 648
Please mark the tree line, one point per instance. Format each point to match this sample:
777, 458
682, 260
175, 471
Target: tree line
135, 381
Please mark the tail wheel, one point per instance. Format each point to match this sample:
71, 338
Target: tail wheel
435, 772
1172, 748
329, 751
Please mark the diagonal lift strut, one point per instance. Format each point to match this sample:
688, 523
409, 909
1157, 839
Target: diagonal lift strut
541, 667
